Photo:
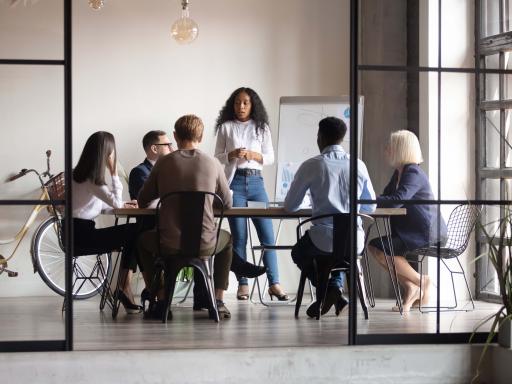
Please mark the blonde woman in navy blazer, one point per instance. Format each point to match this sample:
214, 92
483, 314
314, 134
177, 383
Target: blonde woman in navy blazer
418, 228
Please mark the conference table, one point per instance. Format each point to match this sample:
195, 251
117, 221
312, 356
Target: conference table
269, 212
275, 212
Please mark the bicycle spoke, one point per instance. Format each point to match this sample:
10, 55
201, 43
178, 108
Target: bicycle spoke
53, 245
49, 264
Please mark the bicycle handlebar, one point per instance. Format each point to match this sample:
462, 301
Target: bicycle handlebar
22, 173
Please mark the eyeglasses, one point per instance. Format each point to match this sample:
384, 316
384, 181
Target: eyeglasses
167, 144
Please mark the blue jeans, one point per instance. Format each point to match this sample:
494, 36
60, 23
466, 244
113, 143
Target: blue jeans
302, 255
251, 188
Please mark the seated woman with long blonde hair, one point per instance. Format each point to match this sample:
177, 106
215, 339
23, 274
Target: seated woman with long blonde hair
418, 228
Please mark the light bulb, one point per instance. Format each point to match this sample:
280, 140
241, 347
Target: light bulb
184, 30
96, 4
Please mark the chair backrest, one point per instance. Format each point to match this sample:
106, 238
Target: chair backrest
190, 214
341, 233
460, 225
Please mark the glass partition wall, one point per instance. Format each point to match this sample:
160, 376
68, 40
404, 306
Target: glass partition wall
457, 106
35, 105
420, 75
494, 171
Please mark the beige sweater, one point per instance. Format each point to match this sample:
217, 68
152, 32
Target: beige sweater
185, 170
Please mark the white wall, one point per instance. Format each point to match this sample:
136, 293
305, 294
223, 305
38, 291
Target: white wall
130, 77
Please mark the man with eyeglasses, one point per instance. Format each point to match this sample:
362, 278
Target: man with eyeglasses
156, 144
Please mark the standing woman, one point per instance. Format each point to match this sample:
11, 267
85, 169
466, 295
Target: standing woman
244, 146
418, 228
91, 196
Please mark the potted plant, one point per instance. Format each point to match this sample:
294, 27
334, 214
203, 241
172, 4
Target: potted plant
498, 238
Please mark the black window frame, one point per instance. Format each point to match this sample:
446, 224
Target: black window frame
65, 344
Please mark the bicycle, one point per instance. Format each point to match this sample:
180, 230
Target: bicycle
90, 272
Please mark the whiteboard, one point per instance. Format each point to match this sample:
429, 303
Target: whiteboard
298, 126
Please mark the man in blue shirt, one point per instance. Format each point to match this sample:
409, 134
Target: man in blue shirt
327, 177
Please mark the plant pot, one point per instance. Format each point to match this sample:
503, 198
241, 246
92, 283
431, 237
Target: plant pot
505, 334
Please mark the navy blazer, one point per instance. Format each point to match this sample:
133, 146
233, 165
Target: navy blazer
418, 227
138, 176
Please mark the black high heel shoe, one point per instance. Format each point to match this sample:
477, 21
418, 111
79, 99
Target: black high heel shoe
145, 296
130, 307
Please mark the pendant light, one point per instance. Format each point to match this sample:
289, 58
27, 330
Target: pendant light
184, 30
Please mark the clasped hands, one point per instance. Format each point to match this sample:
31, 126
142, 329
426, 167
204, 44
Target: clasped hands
131, 204
244, 153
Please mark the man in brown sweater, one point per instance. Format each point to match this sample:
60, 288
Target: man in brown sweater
187, 169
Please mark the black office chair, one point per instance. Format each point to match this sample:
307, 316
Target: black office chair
323, 266
191, 211
460, 225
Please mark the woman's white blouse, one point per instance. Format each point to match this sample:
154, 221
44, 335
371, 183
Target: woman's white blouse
89, 199
236, 134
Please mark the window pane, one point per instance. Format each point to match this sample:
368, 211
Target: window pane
34, 31
508, 138
508, 60
457, 34
508, 16
492, 213
492, 139
507, 87
32, 111
492, 87
490, 17
489, 283
492, 61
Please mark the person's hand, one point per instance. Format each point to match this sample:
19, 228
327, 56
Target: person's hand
111, 164
251, 155
131, 204
238, 153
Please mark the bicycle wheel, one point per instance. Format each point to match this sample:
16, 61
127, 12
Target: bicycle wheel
90, 272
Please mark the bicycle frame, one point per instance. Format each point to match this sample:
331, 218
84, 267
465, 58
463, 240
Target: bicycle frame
24, 229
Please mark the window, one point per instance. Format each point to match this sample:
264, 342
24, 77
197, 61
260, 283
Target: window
493, 134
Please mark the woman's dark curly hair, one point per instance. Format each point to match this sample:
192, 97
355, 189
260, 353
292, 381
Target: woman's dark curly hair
258, 111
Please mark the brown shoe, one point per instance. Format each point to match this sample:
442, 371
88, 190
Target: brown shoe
223, 310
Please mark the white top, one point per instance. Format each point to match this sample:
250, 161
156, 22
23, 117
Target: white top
237, 134
89, 199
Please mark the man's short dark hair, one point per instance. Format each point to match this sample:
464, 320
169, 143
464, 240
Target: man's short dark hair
332, 130
150, 138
